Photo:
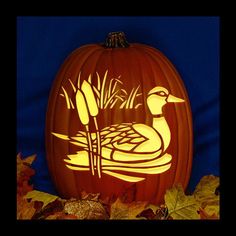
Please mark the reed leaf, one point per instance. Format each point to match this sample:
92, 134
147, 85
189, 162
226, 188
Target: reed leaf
78, 82
114, 87
110, 98
131, 105
98, 82
124, 91
67, 98
120, 97
109, 88
72, 105
90, 79
139, 104
129, 98
72, 85
105, 98
96, 91
103, 90
123, 104
113, 103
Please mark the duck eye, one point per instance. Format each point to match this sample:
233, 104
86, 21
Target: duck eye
161, 93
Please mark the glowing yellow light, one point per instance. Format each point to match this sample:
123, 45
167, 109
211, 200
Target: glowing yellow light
133, 148
123, 177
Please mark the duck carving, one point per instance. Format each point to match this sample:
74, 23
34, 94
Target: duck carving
128, 150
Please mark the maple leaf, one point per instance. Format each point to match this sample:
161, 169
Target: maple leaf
24, 172
46, 198
205, 194
205, 216
121, 211
147, 214
181, 206
51, 208
85, 209
25, 210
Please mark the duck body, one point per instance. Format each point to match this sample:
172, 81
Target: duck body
125, 142
127, 147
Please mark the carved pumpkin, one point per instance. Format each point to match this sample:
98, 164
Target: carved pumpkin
118, 117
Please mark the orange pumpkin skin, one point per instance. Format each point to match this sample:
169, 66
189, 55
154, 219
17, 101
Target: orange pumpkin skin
135, 65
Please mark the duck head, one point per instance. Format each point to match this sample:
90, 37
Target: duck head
158, 97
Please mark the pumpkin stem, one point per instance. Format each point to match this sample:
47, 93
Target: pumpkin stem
116, 40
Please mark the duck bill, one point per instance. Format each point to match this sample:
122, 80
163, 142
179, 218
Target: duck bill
172, 98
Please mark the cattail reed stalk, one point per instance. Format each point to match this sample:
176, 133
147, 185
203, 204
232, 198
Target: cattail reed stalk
93, 111
84, 118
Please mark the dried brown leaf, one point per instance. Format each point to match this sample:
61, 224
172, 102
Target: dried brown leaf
85, 209
24, 172
120, 210
205, 216
25, 209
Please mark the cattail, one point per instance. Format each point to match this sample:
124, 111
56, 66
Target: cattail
84, 118
82, 107
90, 98
93, 111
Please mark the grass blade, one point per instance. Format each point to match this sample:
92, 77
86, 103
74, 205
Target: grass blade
73, 87
78, 82
98, 82
67, 98
131, 105
129, 98
103, 90
113, 104
139, 104
109, 88
123, 104
110, 99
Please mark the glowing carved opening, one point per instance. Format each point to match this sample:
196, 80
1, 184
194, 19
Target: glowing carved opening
120, 150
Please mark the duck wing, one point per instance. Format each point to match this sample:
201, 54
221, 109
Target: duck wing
121, 137
126, 137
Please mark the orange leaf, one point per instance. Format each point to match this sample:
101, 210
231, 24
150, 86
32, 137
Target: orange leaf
24, 172
205, 216
25, 209
120, 210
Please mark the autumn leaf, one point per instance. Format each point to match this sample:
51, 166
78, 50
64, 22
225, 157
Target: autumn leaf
85, 209
181, 206
50, 209
24, 172
205, 216
206, 188
121, 211
147, 214
46, 198
205, 194
25, 209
